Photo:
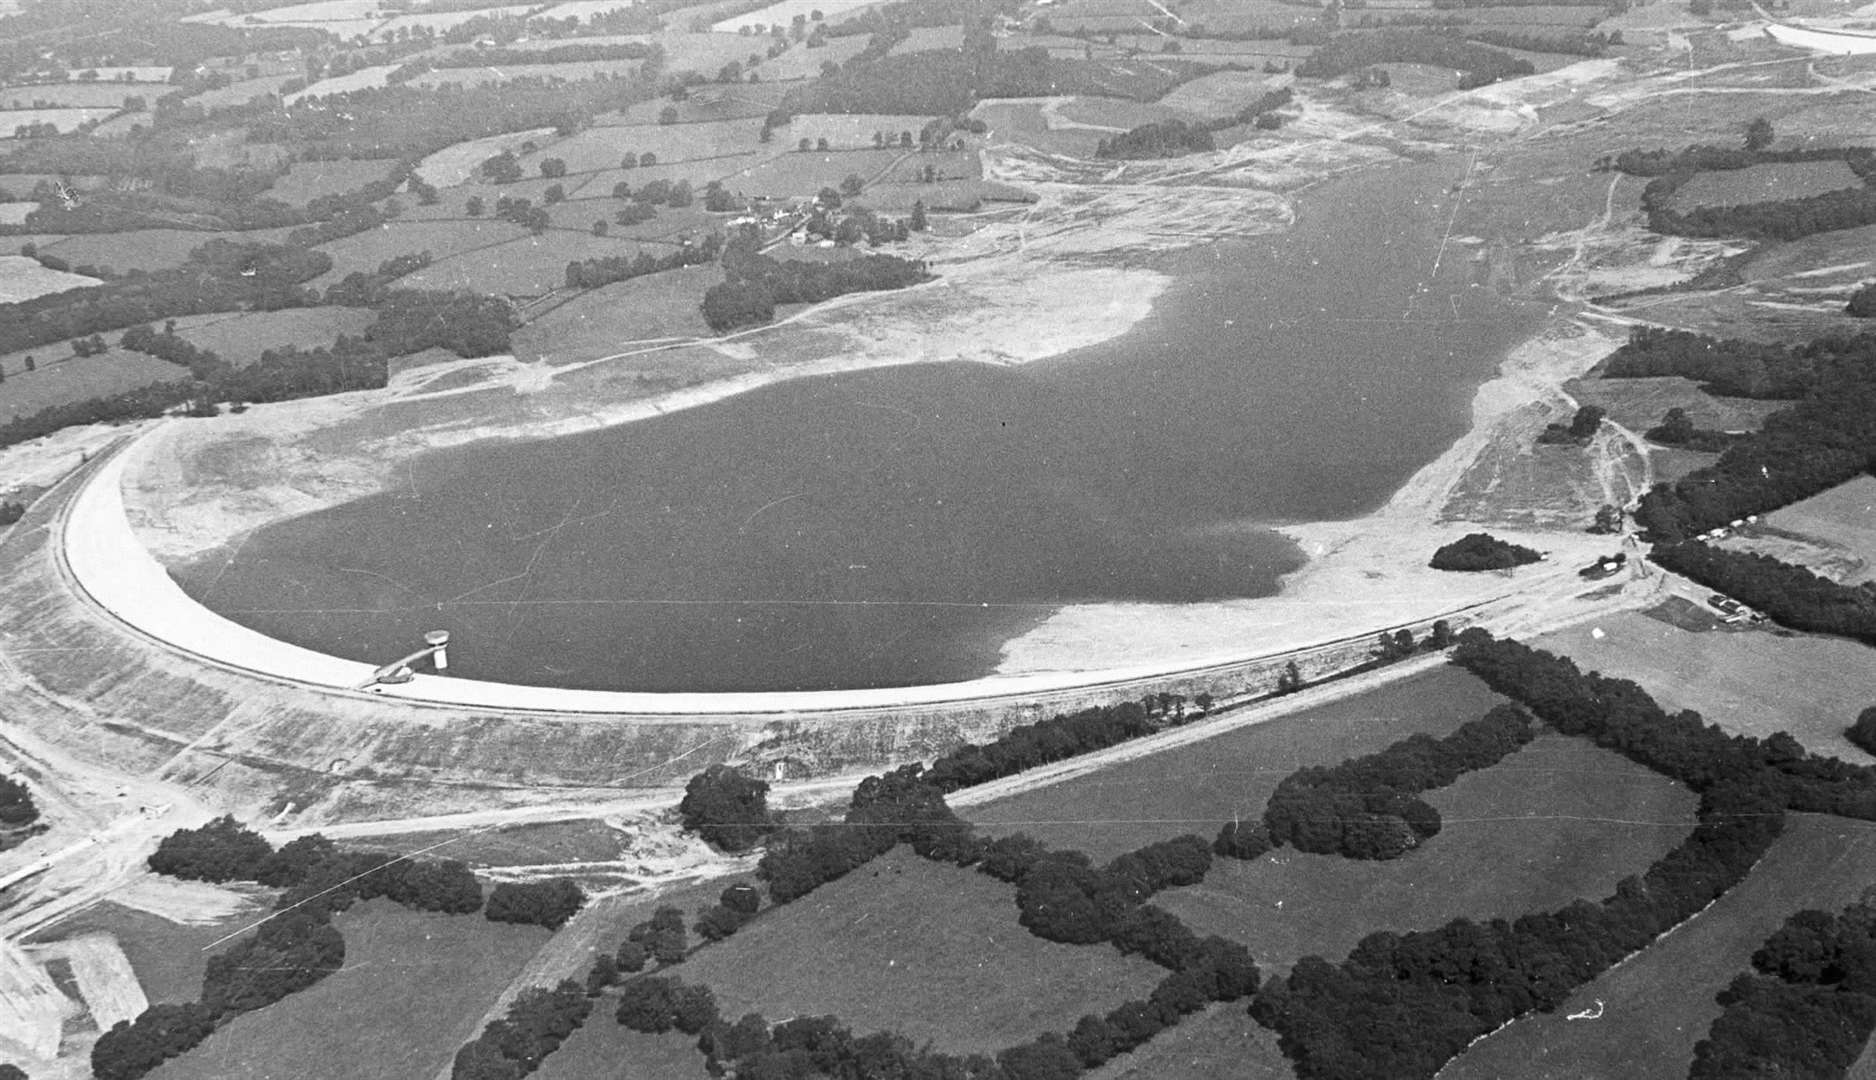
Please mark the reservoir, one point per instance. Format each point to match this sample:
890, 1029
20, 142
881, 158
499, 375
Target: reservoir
896, 526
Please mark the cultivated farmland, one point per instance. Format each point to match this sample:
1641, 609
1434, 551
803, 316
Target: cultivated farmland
1221, 1041
307, 180
926, 949
527, 266
784, 13
568, 71
1764, 183
1842, 519
240, 337
1658, 1004
1558, 820
22, 278
603, 147
64, 120
442, 239
71, 95
609, 319
1199, 787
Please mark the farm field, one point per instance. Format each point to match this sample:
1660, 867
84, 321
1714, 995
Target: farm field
241, 91
609, 319
1197, 788
239, 337
307, 180
362, 79
442, 239
784, 13
711, 101
22, 278
568, 70
1639, 404
602, 147
1221, 1041
931, 951
805, 174
66, 120
1658, 1004
603, 1048
137, 249
849, 131
1842, 519
14, 213
703, 53
87, 95
439, 21
1115, 113
1218, 94
1754, 681
414, 986
67, 378
1559, 820
453, 165
1226, 16
1761, 183
527, 266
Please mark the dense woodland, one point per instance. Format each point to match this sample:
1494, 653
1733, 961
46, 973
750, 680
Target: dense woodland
1482, 551
17, 808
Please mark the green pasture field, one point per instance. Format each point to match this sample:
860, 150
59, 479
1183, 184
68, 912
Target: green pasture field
442, 239
454, 165
1198, 787
783, 12
711, 101
950, 165
1559, 820
1221, 93
1657, 1005
65, 120
704, 53
414, 986
1843, 517
955, 195
307, 180
1221, 1041
239, 337
527, 266
1234, 16
1118, 113
22, 278
603, 1050
1838, 258
72, 95
442, 20
699, 171
799, 174
1022, 122
241, 91
1764, 183
1843, 121
602, 147
168, 957
568, 71
145, 249
516, 845
1754, 682
848, 131
671, 225
929, 950
927, 38
607, 320
62, 378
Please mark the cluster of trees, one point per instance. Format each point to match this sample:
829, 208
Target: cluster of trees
547, 903
1794, 595
170, 346
1729, 367
1172, 138
1811, 1008
1063, 897
1677, 429
1862, 734
1582, 427
370, 288
728, 809
1863, 301
534, 1026
1824, 439
1401, 1005
290, 951
1482, 551
1477, 64
593, 273
757, 283
1366, 808
16, 804
1029, 745
734, 908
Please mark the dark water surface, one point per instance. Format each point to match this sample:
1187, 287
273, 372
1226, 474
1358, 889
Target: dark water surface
895, 526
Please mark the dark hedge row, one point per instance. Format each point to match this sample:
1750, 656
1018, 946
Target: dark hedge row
1365, 808
1793, 595
1733, 368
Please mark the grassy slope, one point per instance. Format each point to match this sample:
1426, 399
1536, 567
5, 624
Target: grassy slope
168, 957
1221, 1041
72, 378
928, 950
1558, 820
413, 986
1659, 1004
1197, 788
1752, 682
240, 337
607, 320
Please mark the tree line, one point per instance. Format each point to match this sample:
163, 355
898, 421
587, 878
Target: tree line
1367, 807
1794, 595
1173, 138
1730, 367
757, 284
594, 273
291, 950
1810, 1007
1774, 219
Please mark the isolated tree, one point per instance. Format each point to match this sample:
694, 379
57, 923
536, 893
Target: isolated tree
668, 114
821, 143
728, 809
647, 159
600, 227
1586, 421
474, 206
1863, 302
852, 185
31, 364
555, 193
1759, 133
1608, 520
1291, 680
918, 222
16, 803
553, 168
804, 145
